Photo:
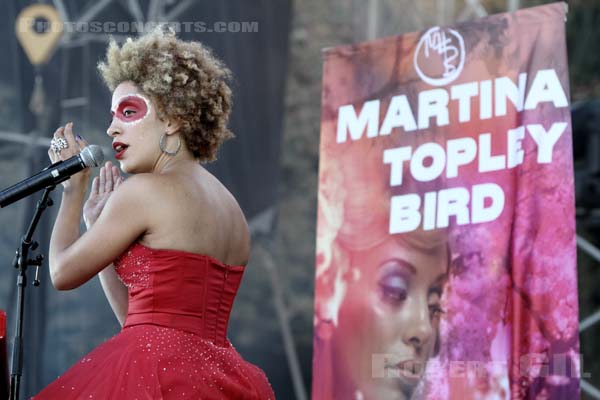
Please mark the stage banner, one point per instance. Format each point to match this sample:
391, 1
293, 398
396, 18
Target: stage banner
446, 256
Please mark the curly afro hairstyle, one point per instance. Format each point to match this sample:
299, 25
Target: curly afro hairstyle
187, 82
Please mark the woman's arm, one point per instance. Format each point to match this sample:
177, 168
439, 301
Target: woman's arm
66, 227
103, 186
115, 291
74, 260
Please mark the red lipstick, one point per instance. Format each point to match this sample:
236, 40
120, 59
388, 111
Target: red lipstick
120, 149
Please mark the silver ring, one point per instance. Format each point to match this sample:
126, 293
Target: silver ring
58, 144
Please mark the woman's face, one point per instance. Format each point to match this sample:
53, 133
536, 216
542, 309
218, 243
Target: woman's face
388, 320
135, 129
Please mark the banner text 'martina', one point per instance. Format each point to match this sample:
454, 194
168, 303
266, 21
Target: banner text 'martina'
494, 97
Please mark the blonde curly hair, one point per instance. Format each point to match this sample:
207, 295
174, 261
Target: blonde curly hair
186, 81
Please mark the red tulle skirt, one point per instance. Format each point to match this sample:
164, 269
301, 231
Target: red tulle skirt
153, 362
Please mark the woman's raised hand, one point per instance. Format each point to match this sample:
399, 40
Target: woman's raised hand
65, 145
103, 186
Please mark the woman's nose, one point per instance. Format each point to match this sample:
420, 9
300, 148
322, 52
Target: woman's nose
112, 129
418, 330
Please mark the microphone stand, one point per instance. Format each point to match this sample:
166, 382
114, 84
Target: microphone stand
21, 261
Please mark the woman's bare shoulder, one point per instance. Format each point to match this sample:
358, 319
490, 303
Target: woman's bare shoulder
144, 180
194, 213
146, 184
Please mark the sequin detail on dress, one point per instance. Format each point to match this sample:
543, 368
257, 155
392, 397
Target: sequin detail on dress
173, 344
133, 268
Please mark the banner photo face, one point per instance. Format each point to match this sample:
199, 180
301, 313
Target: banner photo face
446, 256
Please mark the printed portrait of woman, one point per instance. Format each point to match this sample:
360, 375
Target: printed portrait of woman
379, 296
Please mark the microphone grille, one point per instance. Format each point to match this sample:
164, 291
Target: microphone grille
92, 156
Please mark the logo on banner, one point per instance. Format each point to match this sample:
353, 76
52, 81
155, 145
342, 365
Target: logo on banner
440, 56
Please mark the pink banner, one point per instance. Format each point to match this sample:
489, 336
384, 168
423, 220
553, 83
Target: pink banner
446, 257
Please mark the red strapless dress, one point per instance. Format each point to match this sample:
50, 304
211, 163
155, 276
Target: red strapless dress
173, 344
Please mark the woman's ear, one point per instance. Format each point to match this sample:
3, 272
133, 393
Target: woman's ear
172, 127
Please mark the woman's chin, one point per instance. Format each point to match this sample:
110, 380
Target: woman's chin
390, 389
127, 167
123, 167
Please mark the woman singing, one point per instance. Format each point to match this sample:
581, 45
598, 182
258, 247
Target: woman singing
169, 243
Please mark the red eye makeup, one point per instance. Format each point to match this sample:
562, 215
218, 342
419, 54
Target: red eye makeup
131, 108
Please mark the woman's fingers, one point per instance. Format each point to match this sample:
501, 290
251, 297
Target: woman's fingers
81, 142
68, 135
116, 175
108, 182
95, 185
60, 134
59, 131
51, 153
51, 156
101, 180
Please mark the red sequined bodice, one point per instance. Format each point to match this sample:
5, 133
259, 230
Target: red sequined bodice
178, 289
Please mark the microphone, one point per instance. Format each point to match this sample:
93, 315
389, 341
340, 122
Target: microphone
90, 156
